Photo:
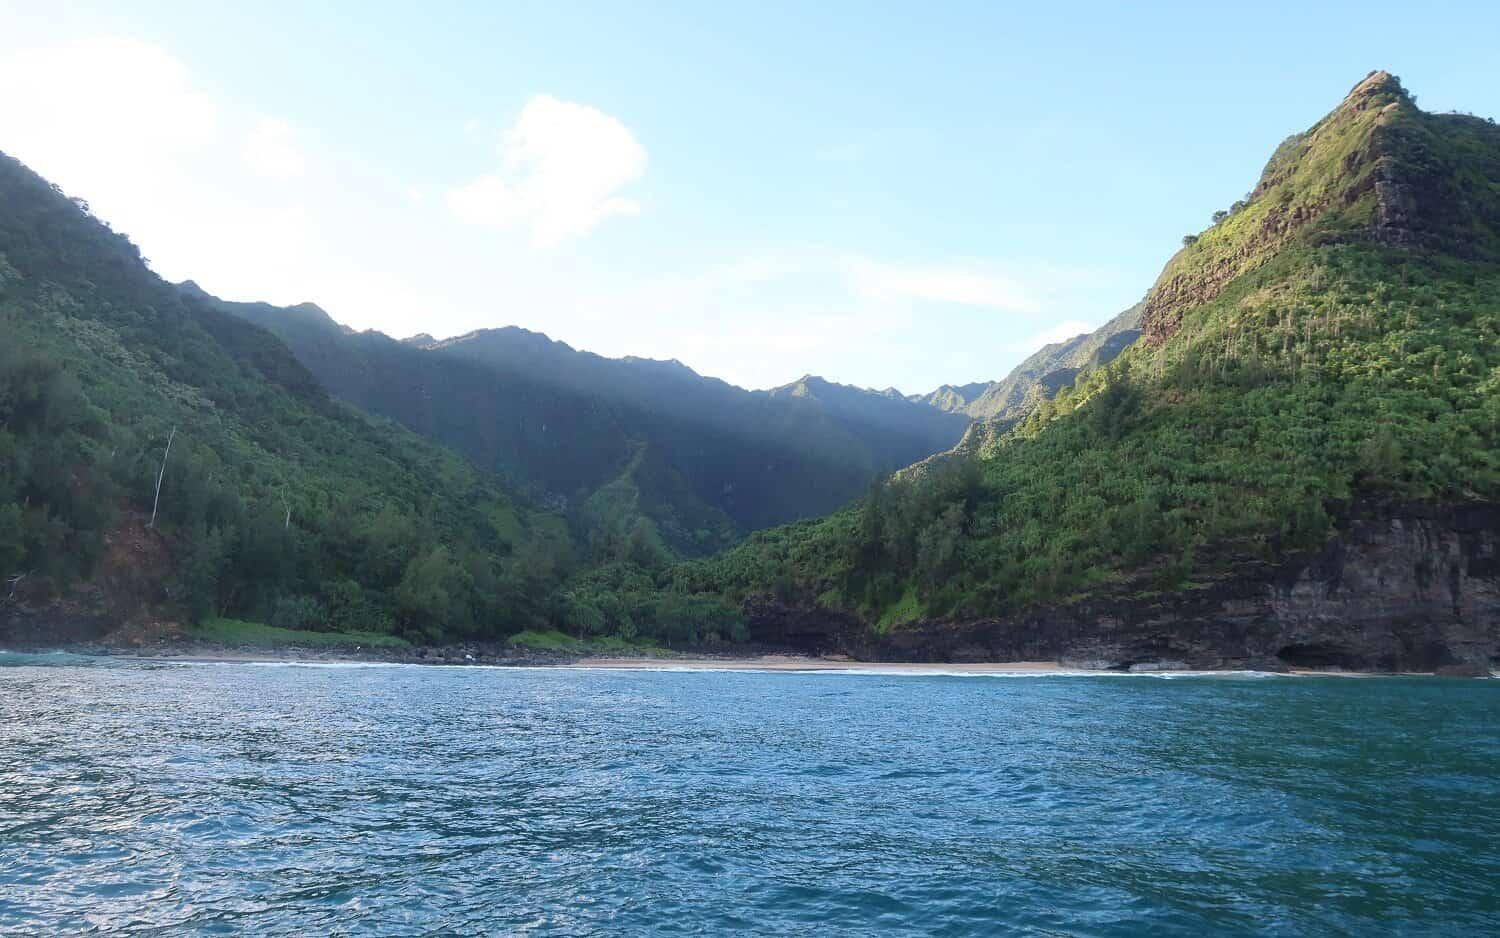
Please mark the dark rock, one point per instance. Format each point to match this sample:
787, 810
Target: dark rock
1402, 587
1462, 670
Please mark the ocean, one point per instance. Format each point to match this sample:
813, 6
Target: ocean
141, 797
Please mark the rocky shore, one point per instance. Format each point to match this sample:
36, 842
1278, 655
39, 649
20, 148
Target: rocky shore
1402, 587
490, 655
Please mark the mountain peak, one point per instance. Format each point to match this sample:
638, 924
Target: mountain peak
1376, 170
1378, 86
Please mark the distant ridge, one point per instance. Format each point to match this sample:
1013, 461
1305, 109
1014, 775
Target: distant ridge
696, 460
1043, 373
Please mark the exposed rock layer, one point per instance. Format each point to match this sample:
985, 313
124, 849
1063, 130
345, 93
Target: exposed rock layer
1403, 587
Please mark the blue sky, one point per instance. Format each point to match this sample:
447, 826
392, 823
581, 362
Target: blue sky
884, 194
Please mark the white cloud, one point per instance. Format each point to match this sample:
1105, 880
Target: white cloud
272, 150
562, 168
93, 114
1058, 333
874, 280
852, 317
123, 124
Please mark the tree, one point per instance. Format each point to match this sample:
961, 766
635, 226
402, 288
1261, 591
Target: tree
156, 502
435, 593
12, 547
207, 554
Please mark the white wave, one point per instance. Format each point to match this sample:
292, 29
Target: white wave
914, 671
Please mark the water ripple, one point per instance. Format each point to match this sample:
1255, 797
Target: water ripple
388, 800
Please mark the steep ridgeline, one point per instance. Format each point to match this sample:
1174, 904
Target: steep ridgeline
1042, 375
635, 448
821, 431
905, 422
999, 405
1298, 463
551, 440
162, 460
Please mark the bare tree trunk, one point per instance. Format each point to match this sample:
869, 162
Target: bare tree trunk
156, 502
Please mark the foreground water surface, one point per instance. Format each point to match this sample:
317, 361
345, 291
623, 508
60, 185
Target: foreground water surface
410, 800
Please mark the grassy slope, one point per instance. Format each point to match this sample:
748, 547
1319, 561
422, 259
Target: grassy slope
239, 632
552, 641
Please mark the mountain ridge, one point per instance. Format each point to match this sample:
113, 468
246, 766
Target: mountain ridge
1297, 465
569, 421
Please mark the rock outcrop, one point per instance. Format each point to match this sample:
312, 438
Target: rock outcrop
1403, 587
126, 583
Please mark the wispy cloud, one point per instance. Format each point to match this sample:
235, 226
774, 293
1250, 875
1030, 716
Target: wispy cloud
871, 280
563, 167
62, 105
954, 283
763, 319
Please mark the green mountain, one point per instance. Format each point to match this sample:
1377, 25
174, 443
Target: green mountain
1043, 374
617, 442
894, 426
825, 429
160, 459
1298, 462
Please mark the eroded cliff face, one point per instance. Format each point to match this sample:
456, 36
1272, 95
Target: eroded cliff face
1370, 149
129, 580
1401, 588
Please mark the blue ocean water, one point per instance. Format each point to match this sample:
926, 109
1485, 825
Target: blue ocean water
166, 798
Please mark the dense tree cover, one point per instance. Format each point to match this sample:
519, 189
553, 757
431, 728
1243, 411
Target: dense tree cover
1352, 349
277, 503
1336, 335
704, 461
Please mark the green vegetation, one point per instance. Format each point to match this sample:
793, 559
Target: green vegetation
553, 641
630, 602
1334, 337
277, 504
237, 632
632, 450
1329, 340
998, 404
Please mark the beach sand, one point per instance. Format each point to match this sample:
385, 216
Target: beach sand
795, 663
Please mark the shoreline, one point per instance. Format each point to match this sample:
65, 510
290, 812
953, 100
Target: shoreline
798, 663
762, 663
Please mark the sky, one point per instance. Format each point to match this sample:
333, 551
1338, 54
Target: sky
883, 194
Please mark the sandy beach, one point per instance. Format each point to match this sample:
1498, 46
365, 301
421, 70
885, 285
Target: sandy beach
684, 663
795, 663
